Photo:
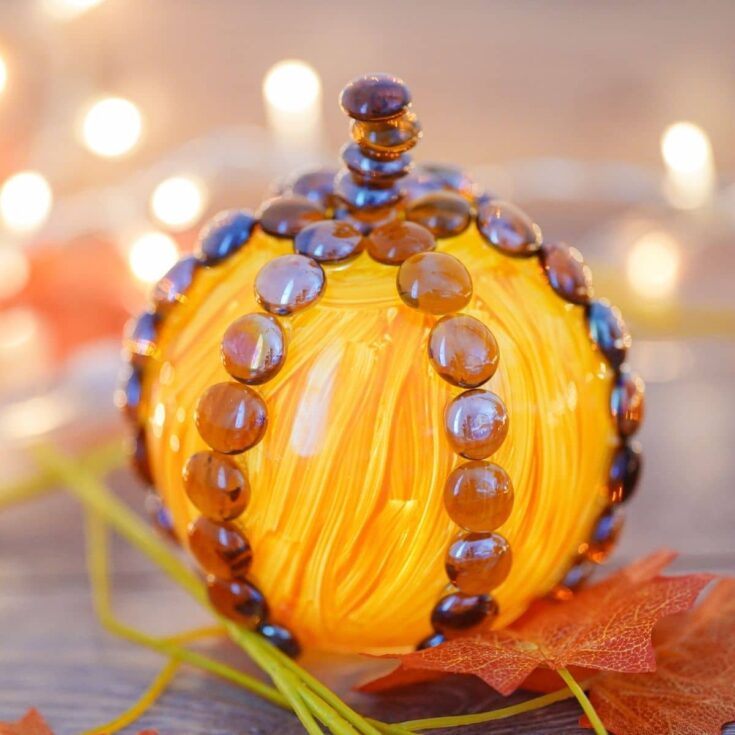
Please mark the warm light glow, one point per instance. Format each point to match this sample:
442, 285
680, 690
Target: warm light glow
14, 271
3, 74
654, 265
686, 147
67, 9
151, 255
178, 202
25, 201
112, 127
292, 86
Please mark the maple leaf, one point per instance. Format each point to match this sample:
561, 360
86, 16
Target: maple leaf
692, 691
32, 723
606, 626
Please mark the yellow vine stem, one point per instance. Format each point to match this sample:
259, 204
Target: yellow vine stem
584, 702
156, 689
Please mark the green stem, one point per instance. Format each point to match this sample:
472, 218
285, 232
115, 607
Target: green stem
584, 702
326, 714
435, 723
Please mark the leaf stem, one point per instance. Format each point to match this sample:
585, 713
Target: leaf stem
434, 723
584, 701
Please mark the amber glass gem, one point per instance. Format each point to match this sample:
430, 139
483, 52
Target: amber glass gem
628, 403
463, 350
172, 288
567, 272
140, 337
316, 185
242, 602
224, 235
508, 228
604, 535
289, 283
443, 213
367, 220
451, 177
608, 331
579, 573
364, 196
138, 451
478, 496
476, 423
375, 97
160, 516
220, 548
432, 641
281, 638
625, 471
397, 241
329, 241
216, 485
129, 392
285, 216
231, 417
371, 169
478, 563
436, 283
388, 138
254, 348
458, 613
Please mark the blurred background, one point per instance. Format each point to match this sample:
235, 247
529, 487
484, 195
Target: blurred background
125, 124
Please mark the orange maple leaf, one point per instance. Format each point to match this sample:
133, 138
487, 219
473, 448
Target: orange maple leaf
692, 691
32, 723
606, 626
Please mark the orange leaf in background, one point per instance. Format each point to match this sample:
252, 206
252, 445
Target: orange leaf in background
32, 723
606, 626
692, 691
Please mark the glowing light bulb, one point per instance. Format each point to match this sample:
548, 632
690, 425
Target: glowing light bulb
15, 271
292, 86
151, 255
178, 202
654, 265
112, 127
686, 147
25, 201
3, 74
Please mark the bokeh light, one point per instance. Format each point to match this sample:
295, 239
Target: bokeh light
67, 9
151, 255
292, 86
112, 127
3, 74
178, 202
653, 265
25, 201
14, 271
686, 147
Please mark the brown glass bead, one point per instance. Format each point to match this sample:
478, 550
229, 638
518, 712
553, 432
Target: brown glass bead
367, 220
314, 184
397, 241
289, 283
443, 213
375, 97
160, 516
463, 350
604, 535
436, 283
476, 423
457, 613
242, 602
566, 271
628, 403
216, 485
370, 170
141, 335
387, 139
254, 348
478, 563
287, 215
329, 241
625, 472
608, 331
432, 641
231, 417
575, 578
220, 548
358, 195
508, 228
172, 288
479, 496
138, 452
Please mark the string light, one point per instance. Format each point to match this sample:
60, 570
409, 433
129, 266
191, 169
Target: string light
151, 255
15, 271
687, 153
654, 265
292, 86
25, 201
178, 202
112, 127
